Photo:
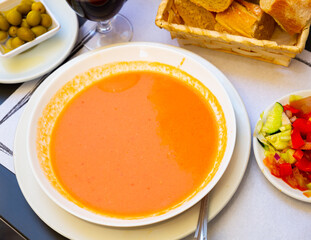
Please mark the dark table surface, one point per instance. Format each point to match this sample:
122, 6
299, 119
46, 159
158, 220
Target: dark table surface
15, 213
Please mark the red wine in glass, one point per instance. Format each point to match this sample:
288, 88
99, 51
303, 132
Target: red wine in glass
112, 27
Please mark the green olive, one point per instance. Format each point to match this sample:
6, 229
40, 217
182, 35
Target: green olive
3, 36
14, 17
8, 43
38, 6
33, 18
38, 30
4, 24
24, 23
13, 31
46, 20
25, 34
16, 42
24, 8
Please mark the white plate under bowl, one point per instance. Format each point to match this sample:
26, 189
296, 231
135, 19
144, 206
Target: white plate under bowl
259, 155
46, 56
10, 4
177, 57
174, 228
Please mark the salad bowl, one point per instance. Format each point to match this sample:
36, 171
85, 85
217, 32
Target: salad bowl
261, 151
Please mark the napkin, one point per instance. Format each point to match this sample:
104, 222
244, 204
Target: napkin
13, 107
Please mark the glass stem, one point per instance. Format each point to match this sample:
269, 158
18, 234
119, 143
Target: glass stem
103, 26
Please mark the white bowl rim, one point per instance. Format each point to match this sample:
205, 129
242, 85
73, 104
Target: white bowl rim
259, 153
55, 196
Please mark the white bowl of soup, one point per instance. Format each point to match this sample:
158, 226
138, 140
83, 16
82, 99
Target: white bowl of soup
131, 134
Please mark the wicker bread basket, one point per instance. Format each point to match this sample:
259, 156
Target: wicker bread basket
265, 50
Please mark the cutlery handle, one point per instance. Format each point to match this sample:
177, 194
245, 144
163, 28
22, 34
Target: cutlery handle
201, 231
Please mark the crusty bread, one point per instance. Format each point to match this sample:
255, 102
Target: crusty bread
247, 19
291, 15
213, 5
195, 16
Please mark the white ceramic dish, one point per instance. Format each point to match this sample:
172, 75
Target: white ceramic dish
187, 61
9, 4
259, 155
174, 228
47, 55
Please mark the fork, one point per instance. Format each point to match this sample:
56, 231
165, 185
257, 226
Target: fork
201, 230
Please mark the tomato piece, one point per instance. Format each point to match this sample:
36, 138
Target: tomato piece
307, 146
302, 125
308, 137
298, 154
290, 108
306, 116
285, 169
304, 104
300, 179
296, 138
303, 164
272, 165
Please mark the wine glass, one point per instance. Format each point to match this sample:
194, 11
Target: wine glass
111, 26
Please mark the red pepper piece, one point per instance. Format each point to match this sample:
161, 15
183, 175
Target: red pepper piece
297, 140
306, 116
290, 108
303, 125
285, 169
303, 164
308, 137
298, 154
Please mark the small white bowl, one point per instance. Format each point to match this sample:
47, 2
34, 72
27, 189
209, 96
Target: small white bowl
9, 4
151, 52
259, 155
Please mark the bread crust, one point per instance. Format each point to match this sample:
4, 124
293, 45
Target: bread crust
291, 15
194, 15
213, 5
247, 19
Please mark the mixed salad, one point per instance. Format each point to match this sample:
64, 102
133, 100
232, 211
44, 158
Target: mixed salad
285, 134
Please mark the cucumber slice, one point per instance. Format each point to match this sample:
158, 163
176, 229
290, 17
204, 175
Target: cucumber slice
290, 156
274, 119
264, 145
280, 140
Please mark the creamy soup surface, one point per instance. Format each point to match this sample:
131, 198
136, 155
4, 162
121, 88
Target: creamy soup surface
134, 144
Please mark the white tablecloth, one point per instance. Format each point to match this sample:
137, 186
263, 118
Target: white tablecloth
257, 210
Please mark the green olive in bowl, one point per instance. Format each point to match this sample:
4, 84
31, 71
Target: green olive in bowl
4, 24
25, 34
24, 8
38, 30
3, 36
14, 17
33, 18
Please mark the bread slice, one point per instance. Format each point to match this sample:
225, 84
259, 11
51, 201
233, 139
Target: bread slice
291, 15
247, 19
194, 15
213, 5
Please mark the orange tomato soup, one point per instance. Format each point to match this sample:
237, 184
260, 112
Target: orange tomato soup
134, 144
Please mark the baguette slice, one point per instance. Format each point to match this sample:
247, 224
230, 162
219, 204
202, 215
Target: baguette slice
291, 15
247, 19
194, 15
213, 5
